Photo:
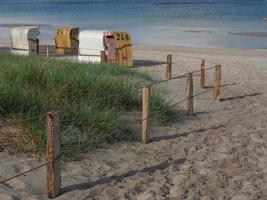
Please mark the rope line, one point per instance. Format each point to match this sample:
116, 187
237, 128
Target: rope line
20, 121
192, 57
179, 76
112, 95
176, 104
196, 95
197, 58
30, 170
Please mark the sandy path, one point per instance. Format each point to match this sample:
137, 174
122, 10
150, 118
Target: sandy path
220, 153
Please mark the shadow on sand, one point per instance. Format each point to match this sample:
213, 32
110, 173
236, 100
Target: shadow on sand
169, 137
87, 185
147, 63
240, 96
151, 169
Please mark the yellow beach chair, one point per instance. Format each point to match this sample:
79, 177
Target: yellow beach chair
66, 40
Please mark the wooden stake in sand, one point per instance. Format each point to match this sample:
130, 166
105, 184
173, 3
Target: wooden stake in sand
169, 67
189, 92
145, 113
217, 83
202, 75
53, 154
103, 57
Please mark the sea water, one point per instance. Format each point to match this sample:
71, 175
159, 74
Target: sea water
197, 23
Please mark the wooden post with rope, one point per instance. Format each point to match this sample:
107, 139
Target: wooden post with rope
145, 114
168, 73
217, 83
53, 154
189, 92
203, 75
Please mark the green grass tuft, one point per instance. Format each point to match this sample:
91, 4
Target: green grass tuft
31, 86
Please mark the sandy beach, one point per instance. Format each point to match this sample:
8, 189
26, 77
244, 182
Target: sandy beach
220, 153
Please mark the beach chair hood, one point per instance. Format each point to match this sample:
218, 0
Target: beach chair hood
20, 36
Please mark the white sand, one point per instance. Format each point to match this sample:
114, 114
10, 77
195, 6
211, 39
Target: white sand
220, 153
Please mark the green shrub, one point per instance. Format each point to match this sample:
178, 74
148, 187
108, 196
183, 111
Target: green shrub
92, 98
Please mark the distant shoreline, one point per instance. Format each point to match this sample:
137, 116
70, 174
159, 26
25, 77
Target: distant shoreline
247, 34
188, 37
5, 44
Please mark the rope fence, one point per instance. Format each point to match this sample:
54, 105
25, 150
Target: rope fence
53, 144
21, 121
28, 171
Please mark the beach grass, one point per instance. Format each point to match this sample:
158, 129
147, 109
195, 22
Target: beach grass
95, 100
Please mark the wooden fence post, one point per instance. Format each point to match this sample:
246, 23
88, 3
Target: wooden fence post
189, 93
217, 83
47, 51
169, 67
203, 75
145, 113
103, 57
53, 154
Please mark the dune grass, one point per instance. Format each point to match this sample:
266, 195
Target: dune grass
93, 99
